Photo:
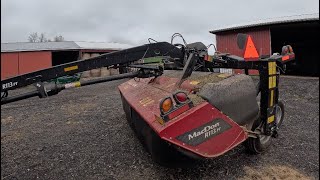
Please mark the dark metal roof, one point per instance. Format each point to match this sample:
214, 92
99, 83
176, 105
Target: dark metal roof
270, 21
64, 45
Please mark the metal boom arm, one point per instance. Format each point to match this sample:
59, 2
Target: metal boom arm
122, 57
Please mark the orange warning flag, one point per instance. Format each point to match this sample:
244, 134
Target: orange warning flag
250, 51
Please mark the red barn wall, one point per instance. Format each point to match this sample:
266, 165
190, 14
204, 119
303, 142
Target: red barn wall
33, 61
227, 42
17, 63
9, 65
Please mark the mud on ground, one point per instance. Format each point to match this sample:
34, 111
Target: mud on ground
82, 134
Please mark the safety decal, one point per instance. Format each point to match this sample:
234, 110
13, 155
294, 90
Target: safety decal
204, 132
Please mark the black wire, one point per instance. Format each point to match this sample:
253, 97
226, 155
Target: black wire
213, 46
151, 40
283, 71
178, 34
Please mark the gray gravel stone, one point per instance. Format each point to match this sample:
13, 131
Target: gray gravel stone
82, 134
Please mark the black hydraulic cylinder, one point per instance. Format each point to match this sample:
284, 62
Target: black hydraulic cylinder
110, 78
52, 89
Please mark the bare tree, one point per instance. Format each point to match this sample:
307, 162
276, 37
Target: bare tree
58, 38
33, 37
42, 38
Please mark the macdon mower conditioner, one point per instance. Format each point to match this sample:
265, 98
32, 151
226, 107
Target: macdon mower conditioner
181, 108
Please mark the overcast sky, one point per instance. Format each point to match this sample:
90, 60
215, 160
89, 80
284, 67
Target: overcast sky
134, 21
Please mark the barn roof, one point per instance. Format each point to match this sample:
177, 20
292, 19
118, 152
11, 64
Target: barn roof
270, 21
102, 45
40, 46
56, 46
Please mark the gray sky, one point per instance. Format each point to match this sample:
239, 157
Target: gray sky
134, 21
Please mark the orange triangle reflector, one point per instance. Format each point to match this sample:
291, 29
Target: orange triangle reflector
250, 52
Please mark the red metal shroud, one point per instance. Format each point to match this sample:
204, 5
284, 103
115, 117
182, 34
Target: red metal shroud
203, 129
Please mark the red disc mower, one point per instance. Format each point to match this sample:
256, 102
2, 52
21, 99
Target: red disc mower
183, 108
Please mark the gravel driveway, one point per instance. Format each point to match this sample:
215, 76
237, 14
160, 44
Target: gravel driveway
82, 134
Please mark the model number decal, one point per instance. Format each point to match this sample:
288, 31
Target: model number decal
204, 132
9, 85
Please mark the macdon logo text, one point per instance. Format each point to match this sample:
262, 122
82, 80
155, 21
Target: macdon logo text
207, 131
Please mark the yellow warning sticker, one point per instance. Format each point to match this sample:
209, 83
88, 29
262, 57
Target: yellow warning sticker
71, 68
271, 98
272, 82
272, 68
270, 119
